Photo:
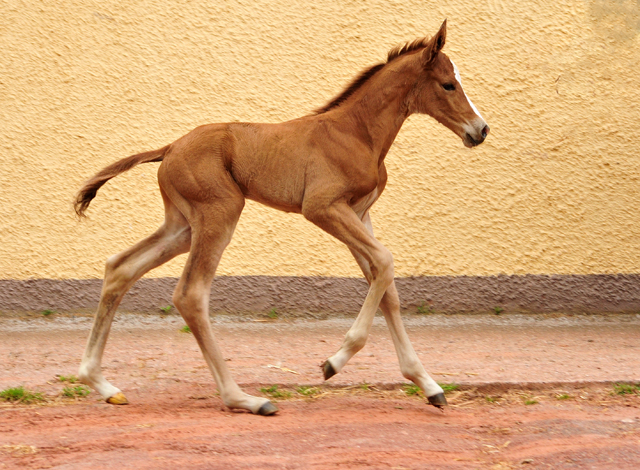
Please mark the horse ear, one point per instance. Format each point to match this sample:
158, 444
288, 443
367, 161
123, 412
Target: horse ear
435, 44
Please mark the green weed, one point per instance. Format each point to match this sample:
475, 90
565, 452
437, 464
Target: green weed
273, 314
531, 401
563, 396
68, 378
498, 310
275, 393
449, 387
424, 309
307, 391
625, 389
79, 391
185, 329
19, 394
411, 389
47, 312
166, 309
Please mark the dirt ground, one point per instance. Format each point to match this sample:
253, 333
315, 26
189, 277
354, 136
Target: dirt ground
527, 392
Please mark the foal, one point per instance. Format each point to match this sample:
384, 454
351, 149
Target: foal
328, 166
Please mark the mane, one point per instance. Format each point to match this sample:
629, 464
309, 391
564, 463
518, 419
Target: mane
366, 74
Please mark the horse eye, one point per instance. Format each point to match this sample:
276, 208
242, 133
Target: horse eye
449, 86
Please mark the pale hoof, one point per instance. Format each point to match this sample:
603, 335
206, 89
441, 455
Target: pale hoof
328, 370
118, 399
438, 400
267, 409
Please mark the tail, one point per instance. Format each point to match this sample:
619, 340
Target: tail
90, 188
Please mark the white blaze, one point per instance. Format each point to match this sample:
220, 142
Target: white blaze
457, 72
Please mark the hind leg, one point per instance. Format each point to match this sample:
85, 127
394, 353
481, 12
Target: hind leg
122, 271
213, 224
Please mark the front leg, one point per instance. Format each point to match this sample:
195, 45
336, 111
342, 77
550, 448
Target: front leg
410, 366
342, 222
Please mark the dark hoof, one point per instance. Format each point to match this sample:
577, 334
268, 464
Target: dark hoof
438, 400
267, 409
328, 370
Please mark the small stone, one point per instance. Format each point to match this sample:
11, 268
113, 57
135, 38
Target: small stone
527, 461
628, 420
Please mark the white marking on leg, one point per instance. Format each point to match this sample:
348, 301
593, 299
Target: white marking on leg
410, 365
121, 272
457, 73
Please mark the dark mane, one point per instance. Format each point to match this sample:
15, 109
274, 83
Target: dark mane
365, 75
351, 88
408, 47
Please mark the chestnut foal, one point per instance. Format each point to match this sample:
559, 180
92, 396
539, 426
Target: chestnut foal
328, 166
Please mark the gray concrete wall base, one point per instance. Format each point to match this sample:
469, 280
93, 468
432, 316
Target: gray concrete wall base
323, 295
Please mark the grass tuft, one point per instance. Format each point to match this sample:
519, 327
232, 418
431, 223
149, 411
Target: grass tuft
21, 395
424, 309
449, 387
68, 378
625, 389
411, 390
307, 391
47, 312
79, 391
275, 393
185, 329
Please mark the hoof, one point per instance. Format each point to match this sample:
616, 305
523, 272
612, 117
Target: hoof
438, 400
328, 370
118, 399
267, 409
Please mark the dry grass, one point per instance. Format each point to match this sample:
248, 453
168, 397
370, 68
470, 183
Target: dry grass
18, 449
602, 395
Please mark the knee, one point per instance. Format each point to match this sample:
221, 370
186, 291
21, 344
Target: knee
382, 267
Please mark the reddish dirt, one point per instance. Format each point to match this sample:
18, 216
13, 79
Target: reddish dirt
176, 419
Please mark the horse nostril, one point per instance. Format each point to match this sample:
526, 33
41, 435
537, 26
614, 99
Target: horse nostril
485, 132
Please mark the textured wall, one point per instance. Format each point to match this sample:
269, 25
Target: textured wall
554, 190
319, 296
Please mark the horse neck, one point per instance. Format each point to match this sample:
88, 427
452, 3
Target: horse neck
380, 108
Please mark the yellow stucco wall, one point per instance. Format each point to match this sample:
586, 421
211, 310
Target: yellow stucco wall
555, 189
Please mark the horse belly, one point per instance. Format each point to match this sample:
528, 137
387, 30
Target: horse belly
271, 180
280, 187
